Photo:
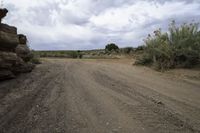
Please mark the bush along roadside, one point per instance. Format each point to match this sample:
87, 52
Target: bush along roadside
179, 47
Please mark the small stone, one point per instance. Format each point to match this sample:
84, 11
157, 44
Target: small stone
160, 103
115, 130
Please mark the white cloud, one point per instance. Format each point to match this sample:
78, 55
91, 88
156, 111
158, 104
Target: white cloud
140, 13
86, 24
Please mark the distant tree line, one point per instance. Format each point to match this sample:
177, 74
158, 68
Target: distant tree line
62, 54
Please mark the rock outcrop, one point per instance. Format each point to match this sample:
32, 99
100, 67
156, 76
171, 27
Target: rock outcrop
3, 13
15, 55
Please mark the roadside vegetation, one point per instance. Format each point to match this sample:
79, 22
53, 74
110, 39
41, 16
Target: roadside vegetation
177, 48
111, 51
36, 58
60, 54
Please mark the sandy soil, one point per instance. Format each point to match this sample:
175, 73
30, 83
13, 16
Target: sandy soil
100, 96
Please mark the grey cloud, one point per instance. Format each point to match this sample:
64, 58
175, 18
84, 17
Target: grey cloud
38, 19
73, 18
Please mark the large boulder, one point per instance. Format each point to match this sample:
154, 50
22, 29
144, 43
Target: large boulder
23, 68
8, 41
6, 74
14, 52
8, 59
22, 39
8, 29
11, 64
24, 52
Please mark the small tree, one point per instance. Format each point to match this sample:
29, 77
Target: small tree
111, 46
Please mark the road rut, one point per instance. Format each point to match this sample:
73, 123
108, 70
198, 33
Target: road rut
90, 96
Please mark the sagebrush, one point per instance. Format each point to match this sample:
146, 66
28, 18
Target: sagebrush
179, 47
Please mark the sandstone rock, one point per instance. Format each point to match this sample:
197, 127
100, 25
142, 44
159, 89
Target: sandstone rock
8, 41
23, 68
22, 39
11, 62
8, 59
24, 52
8, 29
14, 53
6, 74
3, 13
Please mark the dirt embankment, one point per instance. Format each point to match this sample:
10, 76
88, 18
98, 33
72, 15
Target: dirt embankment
98, 96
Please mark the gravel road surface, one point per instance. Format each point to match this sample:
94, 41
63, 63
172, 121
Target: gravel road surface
98, 96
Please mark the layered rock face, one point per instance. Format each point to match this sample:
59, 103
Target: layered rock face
15, 55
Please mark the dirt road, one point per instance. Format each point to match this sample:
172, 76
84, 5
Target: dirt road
97, 96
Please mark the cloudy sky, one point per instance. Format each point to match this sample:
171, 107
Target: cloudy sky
91, 24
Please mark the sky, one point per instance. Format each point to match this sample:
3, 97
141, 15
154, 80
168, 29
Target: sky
91, 24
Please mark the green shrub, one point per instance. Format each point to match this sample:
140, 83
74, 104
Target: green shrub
140, 48
73, 54
111, 47
127, 50
35, 61
61, 54
36, 58
80, 55
180, 47
144, 60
